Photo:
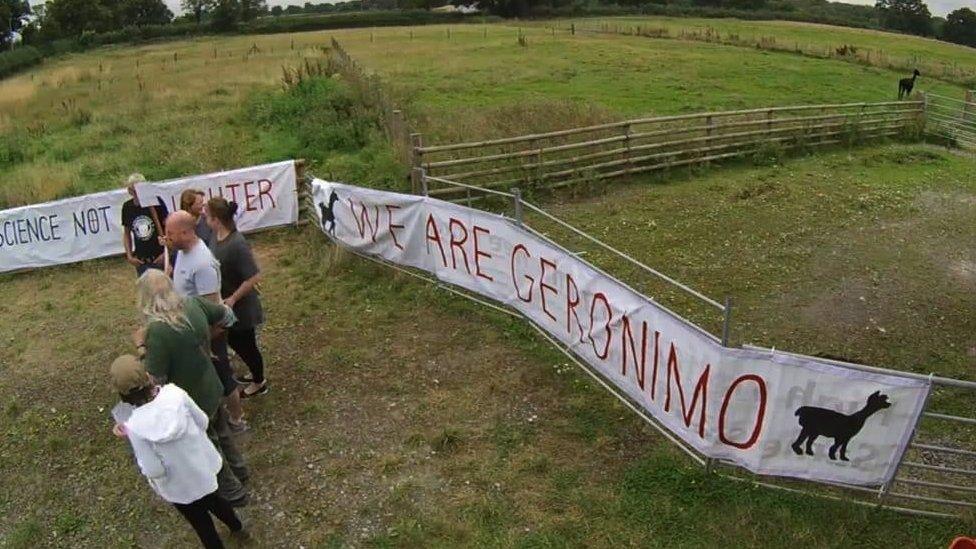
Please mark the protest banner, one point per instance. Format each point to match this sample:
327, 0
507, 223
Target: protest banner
771, 413
90, 226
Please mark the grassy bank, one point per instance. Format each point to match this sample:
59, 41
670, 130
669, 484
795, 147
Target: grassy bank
481, 82
935, 59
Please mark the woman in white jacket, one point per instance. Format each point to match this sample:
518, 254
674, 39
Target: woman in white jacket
167, 431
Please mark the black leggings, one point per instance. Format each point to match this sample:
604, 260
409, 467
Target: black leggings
198, 515
245, 344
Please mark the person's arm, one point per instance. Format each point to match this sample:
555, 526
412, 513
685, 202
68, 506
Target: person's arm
247, 268
218, 314
243, 290
207, 282
127, 244
196, 413
149, 462
155, 355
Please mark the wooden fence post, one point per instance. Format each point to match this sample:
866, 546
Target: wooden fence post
301, 188
416, 173
627, 144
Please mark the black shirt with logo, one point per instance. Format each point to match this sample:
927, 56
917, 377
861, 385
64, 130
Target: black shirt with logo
138, 220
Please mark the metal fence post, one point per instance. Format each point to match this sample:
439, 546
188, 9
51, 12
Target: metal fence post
726, 322
517, 200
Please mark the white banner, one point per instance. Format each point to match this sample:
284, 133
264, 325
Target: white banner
774, 414
90, 226
266, 195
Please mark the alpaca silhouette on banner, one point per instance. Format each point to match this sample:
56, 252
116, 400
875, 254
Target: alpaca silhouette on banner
328, 214
816, 422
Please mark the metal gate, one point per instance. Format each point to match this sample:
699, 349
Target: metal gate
952, 120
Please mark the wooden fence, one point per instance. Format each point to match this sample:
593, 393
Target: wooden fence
630, 147
371, 92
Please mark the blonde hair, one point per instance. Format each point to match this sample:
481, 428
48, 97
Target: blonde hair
158, 300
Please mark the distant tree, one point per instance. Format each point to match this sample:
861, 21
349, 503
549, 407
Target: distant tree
277, 11
12, 14
71, 18
198, 8
145, 12
251, 9
226, 15
960, 27
905, 15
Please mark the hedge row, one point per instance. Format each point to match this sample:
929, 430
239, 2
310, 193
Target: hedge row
19, 58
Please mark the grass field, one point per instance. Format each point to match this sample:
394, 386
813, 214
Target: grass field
935, 58
403, 417
180, 108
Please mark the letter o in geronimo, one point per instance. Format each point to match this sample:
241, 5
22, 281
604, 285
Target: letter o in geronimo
760, 412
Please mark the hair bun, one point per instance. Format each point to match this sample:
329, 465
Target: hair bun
233, 207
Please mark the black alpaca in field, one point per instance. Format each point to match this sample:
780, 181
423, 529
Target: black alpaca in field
816, 422
905, 85
328, 215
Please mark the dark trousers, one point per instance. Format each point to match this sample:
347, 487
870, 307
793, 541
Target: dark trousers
245, 344
221, 362
233, 473
198, 514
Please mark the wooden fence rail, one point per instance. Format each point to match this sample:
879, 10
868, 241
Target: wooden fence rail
628, 147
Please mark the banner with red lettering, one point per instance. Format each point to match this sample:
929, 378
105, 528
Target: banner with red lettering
266, 195
90, 226
771, 413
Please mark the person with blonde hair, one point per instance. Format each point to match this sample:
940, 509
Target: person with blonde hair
174, 344
142, 229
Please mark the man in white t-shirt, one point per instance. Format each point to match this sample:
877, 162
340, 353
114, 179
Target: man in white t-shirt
197, 273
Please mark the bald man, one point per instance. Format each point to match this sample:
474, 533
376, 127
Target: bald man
196, 272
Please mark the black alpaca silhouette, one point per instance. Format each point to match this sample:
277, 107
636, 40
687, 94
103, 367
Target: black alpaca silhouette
816, 422
328, 216
905, 85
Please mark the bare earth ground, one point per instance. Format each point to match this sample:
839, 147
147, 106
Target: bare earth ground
400, 416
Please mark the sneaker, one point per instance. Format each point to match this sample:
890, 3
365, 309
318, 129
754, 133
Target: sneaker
239, 427
262, 391
245, 379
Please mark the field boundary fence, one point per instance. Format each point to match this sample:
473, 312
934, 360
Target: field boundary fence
952, 120
619, 149
371, 91
847, 51
937, 474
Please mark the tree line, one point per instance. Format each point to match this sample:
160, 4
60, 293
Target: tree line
74, 19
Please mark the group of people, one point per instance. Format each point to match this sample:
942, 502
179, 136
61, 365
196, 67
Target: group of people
181, 404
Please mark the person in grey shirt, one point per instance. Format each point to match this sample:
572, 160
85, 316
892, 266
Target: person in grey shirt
239, 278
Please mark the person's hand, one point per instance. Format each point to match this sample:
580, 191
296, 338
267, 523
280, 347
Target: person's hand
133, 260
139, 336
119, 430
230, 302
